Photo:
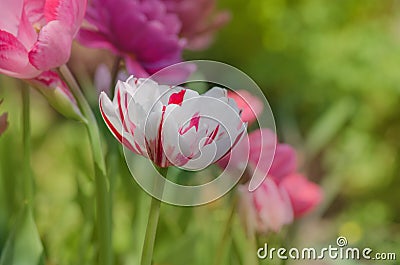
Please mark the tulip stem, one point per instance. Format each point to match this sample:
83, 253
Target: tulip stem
114, 73
26, 129
226, 235
103, 205
152, 222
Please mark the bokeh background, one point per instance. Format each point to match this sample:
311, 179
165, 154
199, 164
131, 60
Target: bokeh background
330, 70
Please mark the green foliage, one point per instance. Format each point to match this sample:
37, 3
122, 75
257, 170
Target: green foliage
23, 246
330, 70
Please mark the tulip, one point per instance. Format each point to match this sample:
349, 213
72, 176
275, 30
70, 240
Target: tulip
282, 187
57, 94
172, 126
304, 195
3, 121
266, 208
250, 105
36, 36
143, 33
199, 21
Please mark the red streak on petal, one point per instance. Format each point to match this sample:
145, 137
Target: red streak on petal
132, 126
121, 114
109, 124
159, 146
194, 122
177, 98
212, 136
115, 131
138, 148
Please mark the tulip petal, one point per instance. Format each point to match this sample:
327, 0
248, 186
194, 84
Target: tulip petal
304, 194
262, 148
35, 11
284, 163
53, 47
95, 39
273, 206
26, 33
14, 57
175, 75
68, 12
250, 105
135, 68
113, 122
10, 13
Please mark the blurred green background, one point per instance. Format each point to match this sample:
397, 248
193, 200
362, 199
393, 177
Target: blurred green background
330, 70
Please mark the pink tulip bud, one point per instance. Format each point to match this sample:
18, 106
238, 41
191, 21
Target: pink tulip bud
268, 207
57, 94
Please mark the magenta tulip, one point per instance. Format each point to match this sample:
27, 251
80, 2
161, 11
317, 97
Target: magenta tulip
199, 20
144, 33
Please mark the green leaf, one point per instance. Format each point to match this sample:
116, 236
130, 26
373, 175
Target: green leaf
23, 246
329, 125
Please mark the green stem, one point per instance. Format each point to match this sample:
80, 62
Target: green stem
151, 230
114, 74
226, 234
103, 205
251, 257
26, 125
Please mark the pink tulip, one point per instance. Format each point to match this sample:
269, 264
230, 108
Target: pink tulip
199, 20
252, 152
3, 121
250, 105
36, 35
268, 207
304, 195
172, 126
268, 204
57, 94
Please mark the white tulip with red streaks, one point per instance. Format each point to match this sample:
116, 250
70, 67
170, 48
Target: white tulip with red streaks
173, 125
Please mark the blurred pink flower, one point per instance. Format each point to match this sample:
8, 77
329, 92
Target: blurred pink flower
36, 35
259, 147
144, 33
281, 187
250, 105
3, 121
199, 20
304, 194
266, 208
172, 126
57, 94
